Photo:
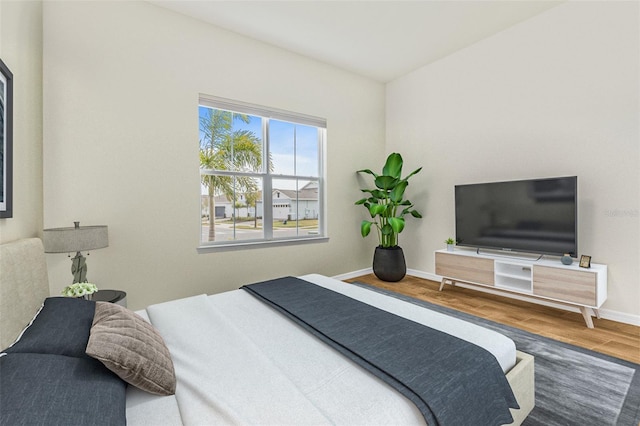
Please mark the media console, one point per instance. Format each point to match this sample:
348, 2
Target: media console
585, 288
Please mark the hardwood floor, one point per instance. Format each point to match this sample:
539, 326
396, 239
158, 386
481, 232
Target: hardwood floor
608, 337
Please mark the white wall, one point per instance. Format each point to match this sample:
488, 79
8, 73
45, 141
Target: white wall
556, 95
21, 51
121, 84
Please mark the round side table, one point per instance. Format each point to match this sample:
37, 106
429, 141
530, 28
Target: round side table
114, 296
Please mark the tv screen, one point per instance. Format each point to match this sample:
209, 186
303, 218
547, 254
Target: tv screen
534, 216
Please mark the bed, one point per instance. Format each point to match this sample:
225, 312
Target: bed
236, 360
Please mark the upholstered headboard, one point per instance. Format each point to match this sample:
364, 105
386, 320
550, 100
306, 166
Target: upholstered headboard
24, 285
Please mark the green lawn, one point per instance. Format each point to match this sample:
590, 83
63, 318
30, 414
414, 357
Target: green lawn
304, 223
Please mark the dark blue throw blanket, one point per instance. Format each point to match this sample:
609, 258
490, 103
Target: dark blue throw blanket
451, 381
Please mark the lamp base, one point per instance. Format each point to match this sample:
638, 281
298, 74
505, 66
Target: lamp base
79, 268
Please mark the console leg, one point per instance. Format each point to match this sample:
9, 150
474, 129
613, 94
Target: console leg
597, 312
587, 316
442, 283
446, 281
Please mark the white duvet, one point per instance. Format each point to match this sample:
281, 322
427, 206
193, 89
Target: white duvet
238, 361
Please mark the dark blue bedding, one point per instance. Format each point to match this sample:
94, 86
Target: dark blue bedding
61, 327
44, 389
46, 378
451, 381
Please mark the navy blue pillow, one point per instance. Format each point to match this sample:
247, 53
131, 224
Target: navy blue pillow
61, 328
59, 390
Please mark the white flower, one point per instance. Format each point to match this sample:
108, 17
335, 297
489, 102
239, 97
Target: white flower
79, 289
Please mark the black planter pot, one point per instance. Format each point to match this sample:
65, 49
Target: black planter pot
389, 264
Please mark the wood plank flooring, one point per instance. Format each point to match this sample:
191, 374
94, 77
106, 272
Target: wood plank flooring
608, 337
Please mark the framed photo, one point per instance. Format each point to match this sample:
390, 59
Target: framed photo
585, 261
6, 141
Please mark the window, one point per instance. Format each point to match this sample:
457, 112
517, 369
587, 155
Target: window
261, 174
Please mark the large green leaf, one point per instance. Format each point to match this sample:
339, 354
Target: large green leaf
398, 192
413, 173
376, 209
386, 183
364, 200
393, 166
368, 171
413, 213
365, 228
375, 193
397, 224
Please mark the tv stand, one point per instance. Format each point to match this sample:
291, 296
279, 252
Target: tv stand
585, 288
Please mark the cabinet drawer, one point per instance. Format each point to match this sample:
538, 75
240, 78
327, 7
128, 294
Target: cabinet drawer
465, 268
565, 284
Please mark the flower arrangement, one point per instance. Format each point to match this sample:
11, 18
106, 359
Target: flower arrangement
79, 290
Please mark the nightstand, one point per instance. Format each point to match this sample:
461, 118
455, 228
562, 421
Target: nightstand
114, 296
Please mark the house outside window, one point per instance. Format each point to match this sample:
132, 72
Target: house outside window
252, 157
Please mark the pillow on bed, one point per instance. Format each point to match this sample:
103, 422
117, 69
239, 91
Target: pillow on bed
61, 327
50, 390
132, 348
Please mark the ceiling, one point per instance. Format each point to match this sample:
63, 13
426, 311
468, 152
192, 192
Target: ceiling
382, 40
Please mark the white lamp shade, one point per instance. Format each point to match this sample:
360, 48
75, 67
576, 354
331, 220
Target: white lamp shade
81, 238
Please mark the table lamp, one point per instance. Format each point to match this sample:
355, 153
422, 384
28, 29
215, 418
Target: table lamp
78, 239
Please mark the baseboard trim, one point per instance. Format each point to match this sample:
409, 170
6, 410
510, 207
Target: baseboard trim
620, 317
604, 313
353, 274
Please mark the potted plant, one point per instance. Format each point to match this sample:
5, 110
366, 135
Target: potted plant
449, 242
387, 207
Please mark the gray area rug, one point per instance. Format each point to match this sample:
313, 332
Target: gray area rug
574, 386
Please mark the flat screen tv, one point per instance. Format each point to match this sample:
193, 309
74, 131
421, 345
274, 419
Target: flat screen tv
529, 216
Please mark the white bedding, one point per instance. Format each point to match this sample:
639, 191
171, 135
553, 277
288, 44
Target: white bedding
238, 361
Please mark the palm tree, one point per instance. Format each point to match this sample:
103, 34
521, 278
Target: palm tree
252, 201
222, 148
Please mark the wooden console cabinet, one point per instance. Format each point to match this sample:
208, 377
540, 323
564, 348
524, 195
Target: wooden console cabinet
544, 279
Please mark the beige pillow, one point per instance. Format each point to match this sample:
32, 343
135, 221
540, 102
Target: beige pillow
132, 348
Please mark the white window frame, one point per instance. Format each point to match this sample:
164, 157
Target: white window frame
267, 177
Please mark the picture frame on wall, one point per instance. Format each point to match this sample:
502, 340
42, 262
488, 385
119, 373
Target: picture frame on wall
6, 141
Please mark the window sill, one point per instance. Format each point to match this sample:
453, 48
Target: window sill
259, 244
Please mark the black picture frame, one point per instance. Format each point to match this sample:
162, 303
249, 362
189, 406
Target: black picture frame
6, 141
585, 261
